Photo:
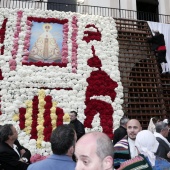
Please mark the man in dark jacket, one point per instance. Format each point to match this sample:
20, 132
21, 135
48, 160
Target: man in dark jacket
158, 46
12, 155
77, 125
120, 132
161, 133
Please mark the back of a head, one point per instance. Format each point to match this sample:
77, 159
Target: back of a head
123, 121
160, 126
94, 151
5, 131
104, 146
74, 112
145, 145
155, 120
156, 32
62, 138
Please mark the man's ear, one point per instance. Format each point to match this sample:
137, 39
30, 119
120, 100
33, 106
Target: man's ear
70, 151
140, 128
108, 163
9, 137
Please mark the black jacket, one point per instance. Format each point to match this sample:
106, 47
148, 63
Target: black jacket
157, 40
10, 159
163, 149
119, 134
79, 128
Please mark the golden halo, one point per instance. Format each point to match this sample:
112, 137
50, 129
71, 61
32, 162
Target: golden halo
47, 26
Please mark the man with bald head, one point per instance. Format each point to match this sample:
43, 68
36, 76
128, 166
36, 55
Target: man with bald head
125, 149
94, 151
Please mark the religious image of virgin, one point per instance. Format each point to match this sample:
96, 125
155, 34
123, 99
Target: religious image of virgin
45, 48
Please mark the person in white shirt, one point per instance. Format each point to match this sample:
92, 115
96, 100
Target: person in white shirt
125, 149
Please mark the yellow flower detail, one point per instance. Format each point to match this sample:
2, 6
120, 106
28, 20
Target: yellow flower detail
28, 104
28, 123
53, 109
41, 93
27, 130
39, 143
15, 117
40, 118
41, 103
28, 117
66, 117
40, 127
53, 115
53, 123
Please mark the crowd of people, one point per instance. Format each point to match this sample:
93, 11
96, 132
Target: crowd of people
131, 148
143, 149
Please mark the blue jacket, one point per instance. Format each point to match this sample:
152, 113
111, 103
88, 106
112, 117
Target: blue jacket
53, 162
161, 164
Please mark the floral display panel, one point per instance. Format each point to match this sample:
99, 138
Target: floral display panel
38, 91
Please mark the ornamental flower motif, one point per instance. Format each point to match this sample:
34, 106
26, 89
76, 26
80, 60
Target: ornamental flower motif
40, 117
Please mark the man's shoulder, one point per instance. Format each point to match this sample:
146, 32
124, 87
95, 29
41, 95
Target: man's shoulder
78, 122
2, 144
123, 143
121, 128
139, 162
52, 162
39, 164
160, 140
118, 129
162, 143
4, 147
123, 140
121, 152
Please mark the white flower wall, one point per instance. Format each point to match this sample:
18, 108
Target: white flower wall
64, 87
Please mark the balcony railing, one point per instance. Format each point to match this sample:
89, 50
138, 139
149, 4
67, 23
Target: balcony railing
85, 9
